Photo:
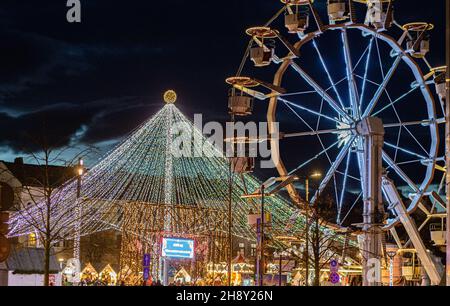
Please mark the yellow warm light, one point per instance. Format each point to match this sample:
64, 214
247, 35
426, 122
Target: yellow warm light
316, 175
170, 97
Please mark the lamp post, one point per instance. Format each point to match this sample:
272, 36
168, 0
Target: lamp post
307, 178
281, 255
262, 224
261, 239
76, 247
261, 193
61, 260
391, 255
230, 220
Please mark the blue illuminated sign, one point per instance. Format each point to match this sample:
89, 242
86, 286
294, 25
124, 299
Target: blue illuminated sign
177, 248
146, 273
146, 261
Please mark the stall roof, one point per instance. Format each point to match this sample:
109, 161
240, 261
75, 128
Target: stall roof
29, 261
99, 267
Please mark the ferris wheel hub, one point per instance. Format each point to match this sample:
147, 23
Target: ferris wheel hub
370, 126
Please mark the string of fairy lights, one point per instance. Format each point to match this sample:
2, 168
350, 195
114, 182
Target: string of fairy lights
142, 169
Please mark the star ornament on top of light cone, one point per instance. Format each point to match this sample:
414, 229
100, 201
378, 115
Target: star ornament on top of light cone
170, 96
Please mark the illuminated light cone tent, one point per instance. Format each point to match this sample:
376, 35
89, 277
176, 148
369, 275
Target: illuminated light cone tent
147, 192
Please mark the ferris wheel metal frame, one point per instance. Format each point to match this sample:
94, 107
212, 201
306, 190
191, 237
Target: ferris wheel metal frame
364, 131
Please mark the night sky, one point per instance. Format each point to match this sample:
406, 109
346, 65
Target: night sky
94, 82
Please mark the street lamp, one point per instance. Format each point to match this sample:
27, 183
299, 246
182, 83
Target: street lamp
282, 255
314, 175
61, 260
261, 226
261, 193
391, 255
76, 248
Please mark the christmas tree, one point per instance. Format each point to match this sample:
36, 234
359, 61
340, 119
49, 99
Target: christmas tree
146, 169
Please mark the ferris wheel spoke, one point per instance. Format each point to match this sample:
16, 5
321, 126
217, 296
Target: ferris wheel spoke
321, 144
409, 123
399, 135
318, 132
312, 130
382, 87
391, 104
349, 176
334, 105
367, 80
344, 187
298, 93
399, 171
362, 57
330, 79
363, 89
333, 168
336, 190
352, 88
380, 62
337, 83
289, 104
351, 208
405, 127
318, 118
413, 161
404, 150
415, 139
324, 151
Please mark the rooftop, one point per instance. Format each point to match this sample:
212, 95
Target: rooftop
34, 175
29, 261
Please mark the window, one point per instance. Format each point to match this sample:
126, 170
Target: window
253, 250
66, 244
32, 240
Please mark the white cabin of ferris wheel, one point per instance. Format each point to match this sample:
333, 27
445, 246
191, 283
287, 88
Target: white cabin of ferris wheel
296, 18
264, 45
439, 77
337, 10
418, 38
239, 102
380, 13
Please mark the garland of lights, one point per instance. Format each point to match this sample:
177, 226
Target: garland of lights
142, 170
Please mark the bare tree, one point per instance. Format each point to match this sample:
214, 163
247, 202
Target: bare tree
39, 199
96, 246
324, 244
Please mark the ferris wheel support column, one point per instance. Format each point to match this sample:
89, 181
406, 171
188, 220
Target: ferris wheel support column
372, 131
396, 204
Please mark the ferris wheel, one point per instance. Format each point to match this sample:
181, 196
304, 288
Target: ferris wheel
352, 100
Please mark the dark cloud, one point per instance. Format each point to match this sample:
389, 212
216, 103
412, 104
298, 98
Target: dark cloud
117, 119
30, 60
26, 132
100, 79
63, 123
